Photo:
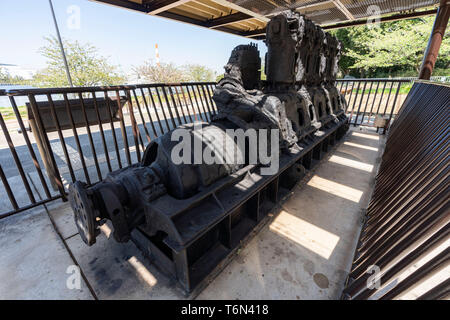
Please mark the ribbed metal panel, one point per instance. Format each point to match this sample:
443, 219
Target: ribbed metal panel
407, 224
325, 11
325, 16
365, 8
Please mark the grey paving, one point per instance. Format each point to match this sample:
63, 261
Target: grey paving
33, 260
304, 252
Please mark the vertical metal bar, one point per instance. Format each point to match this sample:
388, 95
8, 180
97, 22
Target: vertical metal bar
360, 103
181, 104
156, 111
198, 105
393, 106
345, 93
174, 103
91, 141
63, 53
210, 99
123, 129
206, 101
134, 126
113, 130
147, 134
56, 175
30, 148
60, 135
374, 99
16, 159
102, 134
162, 107
436, 37
367, 102
191, 103
340, 87
149, 115
201, 100
11, 197
186, 104
389, 96
354, 102
350, 98
77, 139
381, 98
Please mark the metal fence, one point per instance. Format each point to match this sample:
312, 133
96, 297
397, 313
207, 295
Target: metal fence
374, 101
58, 135
85, 133
406, 234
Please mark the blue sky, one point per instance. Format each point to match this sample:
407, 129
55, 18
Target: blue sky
127, 38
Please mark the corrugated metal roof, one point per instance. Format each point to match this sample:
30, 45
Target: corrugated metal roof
248, 18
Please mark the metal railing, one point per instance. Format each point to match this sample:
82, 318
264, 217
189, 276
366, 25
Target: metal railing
85, 133
374, 102
405, 236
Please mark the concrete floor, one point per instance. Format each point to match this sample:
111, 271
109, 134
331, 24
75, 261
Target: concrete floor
304, 252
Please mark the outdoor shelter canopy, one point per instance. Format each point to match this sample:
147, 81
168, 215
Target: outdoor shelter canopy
248, 18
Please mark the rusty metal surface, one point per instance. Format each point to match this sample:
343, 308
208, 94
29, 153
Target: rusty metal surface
84, 133
194, 213
248, 17
434, 44
408, 215
373, 101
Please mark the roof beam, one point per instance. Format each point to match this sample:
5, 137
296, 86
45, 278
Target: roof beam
164, 5
252, 33
312, 5
124, 4
178, 17
227, 19
343, 9
233, 6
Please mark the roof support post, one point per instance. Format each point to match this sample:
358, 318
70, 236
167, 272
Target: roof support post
437, 34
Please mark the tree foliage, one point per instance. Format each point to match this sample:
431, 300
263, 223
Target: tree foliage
198, 73
158, 73
86, 66
170, 73
388, 48
5, 77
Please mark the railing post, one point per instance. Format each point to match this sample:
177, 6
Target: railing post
434, 44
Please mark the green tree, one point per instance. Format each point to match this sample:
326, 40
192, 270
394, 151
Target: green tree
390, 48
220, 77
199, 73
159, 73
5, 77
86, 66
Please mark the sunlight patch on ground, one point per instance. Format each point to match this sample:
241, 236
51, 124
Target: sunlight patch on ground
351, 163
142, 271
367, 136
335, 188
308, 235
361, 146
106, 230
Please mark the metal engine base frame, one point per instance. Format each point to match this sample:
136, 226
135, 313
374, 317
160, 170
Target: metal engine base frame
230, 213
